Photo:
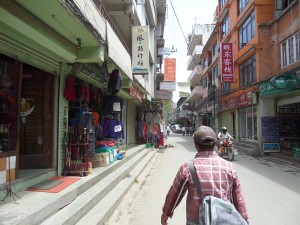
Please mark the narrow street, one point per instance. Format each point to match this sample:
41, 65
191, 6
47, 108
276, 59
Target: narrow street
270, 186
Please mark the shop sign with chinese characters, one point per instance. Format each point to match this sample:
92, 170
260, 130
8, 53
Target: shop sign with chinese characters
140, 50
227, 63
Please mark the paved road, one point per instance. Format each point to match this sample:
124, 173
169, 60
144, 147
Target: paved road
270, 186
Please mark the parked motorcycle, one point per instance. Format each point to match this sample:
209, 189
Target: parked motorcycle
227, 149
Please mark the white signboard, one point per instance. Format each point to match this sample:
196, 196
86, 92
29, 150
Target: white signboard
168, 86
140, 50
163, 51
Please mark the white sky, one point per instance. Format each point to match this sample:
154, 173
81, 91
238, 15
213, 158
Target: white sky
188, 12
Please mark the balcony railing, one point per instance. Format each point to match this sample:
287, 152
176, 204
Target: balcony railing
196, 74
114, 27
195, 57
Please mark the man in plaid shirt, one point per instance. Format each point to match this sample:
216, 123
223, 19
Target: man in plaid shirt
217, 176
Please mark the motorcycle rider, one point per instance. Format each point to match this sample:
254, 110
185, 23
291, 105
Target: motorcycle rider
223, 135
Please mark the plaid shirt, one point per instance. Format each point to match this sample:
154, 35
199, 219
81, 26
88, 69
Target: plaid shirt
217, 177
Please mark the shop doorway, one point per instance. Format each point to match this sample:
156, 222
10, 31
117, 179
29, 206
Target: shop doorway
37, 129
248, 123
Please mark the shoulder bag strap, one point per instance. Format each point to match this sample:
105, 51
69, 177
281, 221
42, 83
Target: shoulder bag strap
195, 177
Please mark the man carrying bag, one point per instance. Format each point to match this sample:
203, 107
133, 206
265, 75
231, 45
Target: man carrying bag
218, 178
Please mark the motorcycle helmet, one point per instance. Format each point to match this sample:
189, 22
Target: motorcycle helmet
224, 129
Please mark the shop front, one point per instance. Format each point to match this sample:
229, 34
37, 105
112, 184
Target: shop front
239, 115
27, 125
280, 100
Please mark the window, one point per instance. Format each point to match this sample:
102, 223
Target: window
247, 30
242, 5
248, 71
222, 3
283, 4
225, 26
297, 40
204, 82
225, 88
215, 74
215, 49
290, 50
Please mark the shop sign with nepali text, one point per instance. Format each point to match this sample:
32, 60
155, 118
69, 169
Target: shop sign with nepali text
140, 50
227, 62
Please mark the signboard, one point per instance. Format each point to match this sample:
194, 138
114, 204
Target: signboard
170, 69
163, 95
140, 50
245, 99
286, 82
279, 84
168, 86
271, 147
134, 92
227, 63
163, 51
270, 130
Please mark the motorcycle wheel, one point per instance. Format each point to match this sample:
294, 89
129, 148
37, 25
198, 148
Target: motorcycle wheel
230, 155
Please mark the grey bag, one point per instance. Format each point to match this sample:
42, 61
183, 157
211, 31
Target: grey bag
213, 210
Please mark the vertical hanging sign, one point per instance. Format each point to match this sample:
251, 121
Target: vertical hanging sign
227, 63
170, 69
140, 50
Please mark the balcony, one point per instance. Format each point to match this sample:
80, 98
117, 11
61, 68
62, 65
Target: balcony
195, 57
195, 38
151, 11
196, 75
196, 94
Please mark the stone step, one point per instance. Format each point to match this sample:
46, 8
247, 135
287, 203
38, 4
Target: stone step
84, 203
39, 207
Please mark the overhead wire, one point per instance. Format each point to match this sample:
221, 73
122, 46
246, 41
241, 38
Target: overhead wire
189, 46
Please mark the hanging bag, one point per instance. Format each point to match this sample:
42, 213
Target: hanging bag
214, 210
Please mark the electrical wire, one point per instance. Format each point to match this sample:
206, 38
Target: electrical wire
189, 46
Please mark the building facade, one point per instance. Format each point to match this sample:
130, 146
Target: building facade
56, 58
256, 95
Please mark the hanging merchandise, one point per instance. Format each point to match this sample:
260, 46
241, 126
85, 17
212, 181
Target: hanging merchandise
104, 71
70, 89
112, 104
115, 82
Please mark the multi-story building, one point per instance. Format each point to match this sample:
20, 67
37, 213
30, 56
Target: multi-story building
50, 52
259, 105
201, 49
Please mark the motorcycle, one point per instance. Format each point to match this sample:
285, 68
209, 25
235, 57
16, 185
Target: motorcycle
226, 148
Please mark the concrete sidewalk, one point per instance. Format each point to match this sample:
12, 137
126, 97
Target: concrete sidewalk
73, 203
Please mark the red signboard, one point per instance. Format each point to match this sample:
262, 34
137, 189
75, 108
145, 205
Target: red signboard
227, 63
170, 69
245, 99
134, 92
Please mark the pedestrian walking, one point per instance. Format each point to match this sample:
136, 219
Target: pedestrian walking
217, 176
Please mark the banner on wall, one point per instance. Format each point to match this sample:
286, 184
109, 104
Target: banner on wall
140, 50
170, 69
227, 63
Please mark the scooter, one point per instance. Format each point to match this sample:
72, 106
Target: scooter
226, 148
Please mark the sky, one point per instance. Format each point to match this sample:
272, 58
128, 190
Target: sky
188, 13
